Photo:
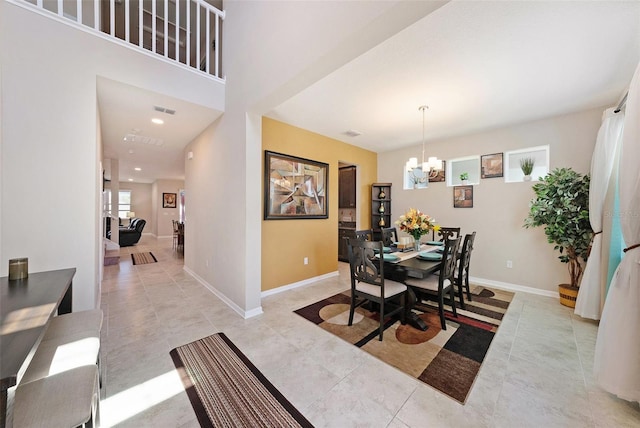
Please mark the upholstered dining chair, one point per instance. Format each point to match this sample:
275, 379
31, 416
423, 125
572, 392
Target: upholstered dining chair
446, 232
436, 286
389, 236
364, 235
462, 272
369, 284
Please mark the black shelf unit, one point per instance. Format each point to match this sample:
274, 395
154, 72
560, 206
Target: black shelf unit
380, 208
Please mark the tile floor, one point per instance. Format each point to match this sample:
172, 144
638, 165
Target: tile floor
536, 374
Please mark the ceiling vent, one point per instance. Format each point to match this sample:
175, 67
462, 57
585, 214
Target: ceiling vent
133, 138
164, 110
353, 133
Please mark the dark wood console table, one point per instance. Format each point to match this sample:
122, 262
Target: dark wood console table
25, 309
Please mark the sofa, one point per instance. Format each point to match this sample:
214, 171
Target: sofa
130, 235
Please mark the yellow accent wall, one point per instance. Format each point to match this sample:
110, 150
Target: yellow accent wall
285, 243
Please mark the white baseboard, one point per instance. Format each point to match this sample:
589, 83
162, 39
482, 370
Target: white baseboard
297, 284
220, 295
512, 287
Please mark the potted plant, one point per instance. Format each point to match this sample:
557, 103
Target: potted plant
464, 177
561, 205
526, 165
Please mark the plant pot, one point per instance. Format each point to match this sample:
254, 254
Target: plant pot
568, 295
527, 178
464, 182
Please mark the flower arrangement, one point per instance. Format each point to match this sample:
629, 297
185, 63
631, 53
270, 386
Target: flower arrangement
416, 223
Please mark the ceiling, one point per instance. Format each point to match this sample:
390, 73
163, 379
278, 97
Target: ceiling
126, 112
478, 65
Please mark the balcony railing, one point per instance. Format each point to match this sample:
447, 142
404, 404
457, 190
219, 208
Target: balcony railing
185, 31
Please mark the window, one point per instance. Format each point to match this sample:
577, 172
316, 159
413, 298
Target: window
539, 155
456, 167
124, 203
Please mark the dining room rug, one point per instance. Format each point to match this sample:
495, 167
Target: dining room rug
227, 390
143, 258
448, 360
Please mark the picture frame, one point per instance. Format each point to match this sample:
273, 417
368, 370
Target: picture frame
169, 200
295, 188
491, 165
463, 197
438, 175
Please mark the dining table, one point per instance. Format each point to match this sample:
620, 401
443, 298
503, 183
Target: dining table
26, 306
410, 263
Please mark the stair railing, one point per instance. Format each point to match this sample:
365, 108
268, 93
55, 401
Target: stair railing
185, 31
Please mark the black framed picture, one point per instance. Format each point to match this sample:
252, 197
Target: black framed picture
438, 175
463, 197
491, 166
294, 188
169, 200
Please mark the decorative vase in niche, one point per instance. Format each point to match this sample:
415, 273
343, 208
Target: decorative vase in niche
381, 209
527, 178
465, 182
381, 222
382, 195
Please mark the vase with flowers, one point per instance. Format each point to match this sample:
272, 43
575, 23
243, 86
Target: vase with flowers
416, 224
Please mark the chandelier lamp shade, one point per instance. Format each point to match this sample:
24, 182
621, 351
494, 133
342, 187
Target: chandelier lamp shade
432, 162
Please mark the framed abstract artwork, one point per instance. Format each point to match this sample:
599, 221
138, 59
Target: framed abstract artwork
437, 175
491, 166
294, 188
463, 197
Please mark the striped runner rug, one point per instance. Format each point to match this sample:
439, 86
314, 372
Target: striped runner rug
227, 390
143, 258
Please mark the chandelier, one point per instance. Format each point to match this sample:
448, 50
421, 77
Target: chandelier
431, 165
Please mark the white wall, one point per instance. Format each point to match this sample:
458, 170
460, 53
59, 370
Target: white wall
499, 208
49, 149
224, 179
163, 221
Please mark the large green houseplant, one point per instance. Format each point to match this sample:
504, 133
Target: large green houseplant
561, 205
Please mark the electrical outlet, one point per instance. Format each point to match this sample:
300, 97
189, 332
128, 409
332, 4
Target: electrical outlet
509, 264
306, 260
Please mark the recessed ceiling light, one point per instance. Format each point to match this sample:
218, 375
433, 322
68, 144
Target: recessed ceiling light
157, 121
131, 179
138, 169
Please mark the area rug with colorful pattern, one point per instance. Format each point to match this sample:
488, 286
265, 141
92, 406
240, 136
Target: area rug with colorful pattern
448, 360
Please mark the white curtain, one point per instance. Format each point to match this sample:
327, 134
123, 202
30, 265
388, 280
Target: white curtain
617, 355
609, 136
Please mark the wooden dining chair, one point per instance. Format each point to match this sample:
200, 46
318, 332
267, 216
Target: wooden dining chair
364, 235
176, 233
446, 232
369, 284
462, 272
436, 286
389, 236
